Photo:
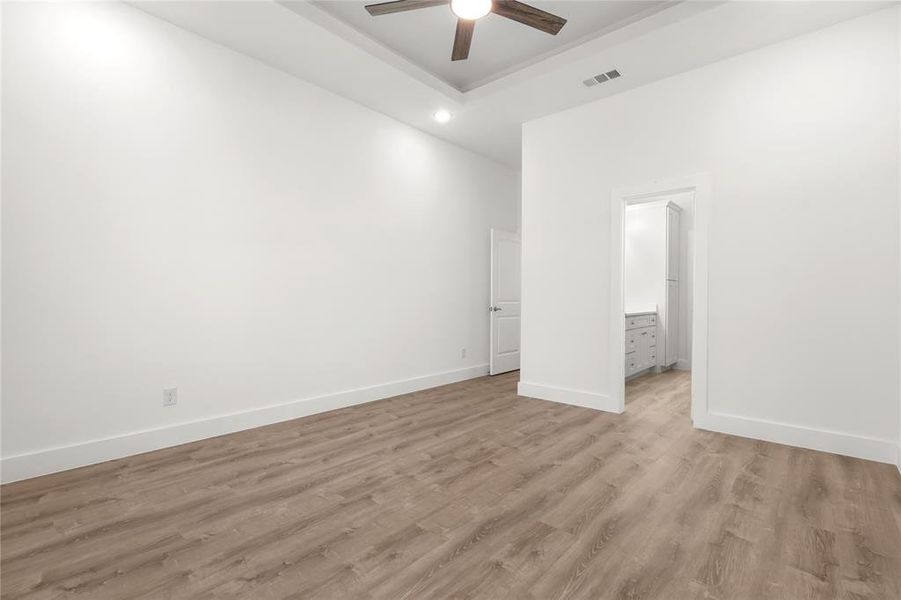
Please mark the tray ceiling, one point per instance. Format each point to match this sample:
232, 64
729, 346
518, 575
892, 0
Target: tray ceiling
500, 46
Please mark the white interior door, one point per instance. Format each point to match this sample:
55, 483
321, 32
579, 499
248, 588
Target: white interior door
505, 301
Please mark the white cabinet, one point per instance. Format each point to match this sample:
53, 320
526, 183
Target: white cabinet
670, 324
669, 312
641, 343
673, 254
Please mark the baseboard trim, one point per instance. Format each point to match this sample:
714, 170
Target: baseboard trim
568, 396
640, 373
898, 458
884, 451
53, 460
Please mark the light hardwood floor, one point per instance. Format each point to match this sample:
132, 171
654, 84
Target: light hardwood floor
464, 491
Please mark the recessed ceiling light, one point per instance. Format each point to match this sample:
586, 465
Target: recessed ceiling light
442, 116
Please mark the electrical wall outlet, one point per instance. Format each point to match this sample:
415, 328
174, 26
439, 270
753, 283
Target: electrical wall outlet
463, 353
170, 396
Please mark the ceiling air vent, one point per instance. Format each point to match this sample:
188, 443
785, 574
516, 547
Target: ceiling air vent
601, 78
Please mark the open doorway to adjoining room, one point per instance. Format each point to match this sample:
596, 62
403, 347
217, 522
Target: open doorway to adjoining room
657, 241
655, 284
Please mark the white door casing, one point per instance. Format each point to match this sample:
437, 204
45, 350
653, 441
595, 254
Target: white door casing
701, 185
505, 301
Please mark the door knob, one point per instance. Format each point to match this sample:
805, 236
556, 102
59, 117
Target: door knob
494, 308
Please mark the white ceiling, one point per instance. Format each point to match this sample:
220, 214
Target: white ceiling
313, 45
499, 45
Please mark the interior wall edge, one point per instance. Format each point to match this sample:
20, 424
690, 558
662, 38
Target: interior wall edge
569, 396
54, 460
867, 448
898, 13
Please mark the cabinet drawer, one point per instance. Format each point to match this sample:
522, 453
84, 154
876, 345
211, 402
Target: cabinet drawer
632, 364
645, 334
638, 322
631, 341
652, 357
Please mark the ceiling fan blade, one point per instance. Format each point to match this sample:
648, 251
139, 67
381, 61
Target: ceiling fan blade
387, 8
463, 39
529, 15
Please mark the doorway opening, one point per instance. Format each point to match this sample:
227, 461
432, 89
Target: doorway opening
657, 241
658, 283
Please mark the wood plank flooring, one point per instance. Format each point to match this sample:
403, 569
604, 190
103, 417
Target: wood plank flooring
464, 491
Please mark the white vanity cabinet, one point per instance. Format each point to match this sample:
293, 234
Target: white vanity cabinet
641, 342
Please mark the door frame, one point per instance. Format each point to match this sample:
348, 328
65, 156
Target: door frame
700, 184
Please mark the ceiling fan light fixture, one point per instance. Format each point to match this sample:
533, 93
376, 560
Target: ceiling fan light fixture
471, 9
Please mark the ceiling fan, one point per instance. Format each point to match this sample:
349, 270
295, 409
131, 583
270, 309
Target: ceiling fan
468, 11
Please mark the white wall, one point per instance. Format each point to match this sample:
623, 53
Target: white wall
176, 214
803, 233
